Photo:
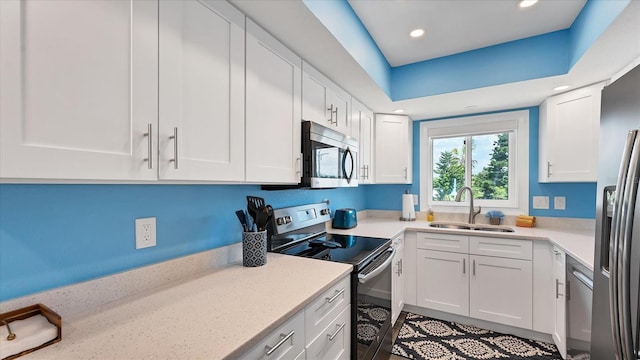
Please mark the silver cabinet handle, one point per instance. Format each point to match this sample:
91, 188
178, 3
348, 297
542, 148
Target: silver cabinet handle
340, 327
548, 169
401, 267
364, 172
558, 284
271, 349
330, 120
367, 172
474, 268
149, 135
464, 266
405, 173
336, 112
334, 297
299, 165
175, 147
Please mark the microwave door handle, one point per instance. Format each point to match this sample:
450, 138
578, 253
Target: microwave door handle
344, 162
624, 265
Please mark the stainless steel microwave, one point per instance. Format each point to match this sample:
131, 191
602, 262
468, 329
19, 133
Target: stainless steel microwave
329, 158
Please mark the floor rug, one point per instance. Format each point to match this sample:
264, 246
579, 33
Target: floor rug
426, 338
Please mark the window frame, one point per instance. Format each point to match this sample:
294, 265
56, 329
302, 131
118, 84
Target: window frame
515, 122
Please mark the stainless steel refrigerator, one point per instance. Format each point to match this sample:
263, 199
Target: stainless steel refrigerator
616, 320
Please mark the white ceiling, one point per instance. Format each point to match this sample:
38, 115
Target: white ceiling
455, 26
293, 24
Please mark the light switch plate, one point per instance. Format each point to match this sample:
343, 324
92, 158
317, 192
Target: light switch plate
540, 202
415, 199
559, 203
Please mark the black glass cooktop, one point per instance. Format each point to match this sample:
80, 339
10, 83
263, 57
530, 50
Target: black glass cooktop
356, 250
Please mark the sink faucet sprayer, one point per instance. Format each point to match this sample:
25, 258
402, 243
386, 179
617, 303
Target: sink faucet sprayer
472, 214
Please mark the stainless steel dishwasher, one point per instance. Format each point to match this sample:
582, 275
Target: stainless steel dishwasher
579, 304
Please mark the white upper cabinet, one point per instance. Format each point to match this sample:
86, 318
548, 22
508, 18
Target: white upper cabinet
393, 147
324, 102
569, 131
362, 129
201, 118
79, 89
273, 110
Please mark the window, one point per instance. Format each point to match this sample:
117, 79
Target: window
488, 153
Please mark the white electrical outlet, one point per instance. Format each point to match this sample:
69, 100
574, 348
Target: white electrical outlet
145, 232
540, 202
415, 199
559, 203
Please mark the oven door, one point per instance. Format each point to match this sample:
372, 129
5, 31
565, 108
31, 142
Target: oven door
371, 338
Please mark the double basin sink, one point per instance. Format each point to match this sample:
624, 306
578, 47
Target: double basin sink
473, 227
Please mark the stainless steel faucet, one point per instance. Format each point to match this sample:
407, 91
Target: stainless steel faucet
472, 214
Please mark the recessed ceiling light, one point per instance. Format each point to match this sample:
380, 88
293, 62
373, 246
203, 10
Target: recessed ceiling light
560, 88
526, 3
416, 33
397, 111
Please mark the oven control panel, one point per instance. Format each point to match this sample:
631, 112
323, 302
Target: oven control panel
298, 217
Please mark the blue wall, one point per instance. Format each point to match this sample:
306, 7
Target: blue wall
580, 197
54, 235
535, 57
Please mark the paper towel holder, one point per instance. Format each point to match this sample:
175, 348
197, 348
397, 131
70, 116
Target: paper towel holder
410, 211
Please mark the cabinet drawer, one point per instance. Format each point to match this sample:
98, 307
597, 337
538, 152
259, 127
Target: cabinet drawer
292, 330
506, 248
326, 307
443, 242
334, 341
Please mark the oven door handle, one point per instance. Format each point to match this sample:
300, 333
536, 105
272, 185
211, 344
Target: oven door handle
363, 278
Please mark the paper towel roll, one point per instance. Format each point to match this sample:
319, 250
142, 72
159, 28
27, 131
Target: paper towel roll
408, 208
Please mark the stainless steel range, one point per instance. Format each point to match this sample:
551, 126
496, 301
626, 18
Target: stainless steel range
300, 231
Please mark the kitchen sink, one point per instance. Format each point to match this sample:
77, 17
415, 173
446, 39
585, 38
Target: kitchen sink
477, 227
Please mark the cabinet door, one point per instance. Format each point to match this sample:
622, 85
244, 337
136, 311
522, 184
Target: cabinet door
315, 98
569, 129
543, 287
334, 341
397, 280
79, 89
362, 127
443, 281
341, 102
392, 149
285, 342
559, 334
201, 134
500, 290
273, 105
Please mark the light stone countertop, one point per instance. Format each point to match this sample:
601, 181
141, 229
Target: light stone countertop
579, 244
218, 314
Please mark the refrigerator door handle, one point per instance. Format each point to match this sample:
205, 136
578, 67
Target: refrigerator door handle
624, 264
615, 245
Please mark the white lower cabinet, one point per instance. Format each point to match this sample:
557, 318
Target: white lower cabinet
559, 333
397, 278
462, 282
322, 330
443, 281
500, 290
286, 342
333, 342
